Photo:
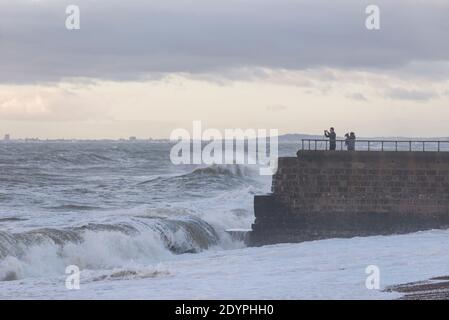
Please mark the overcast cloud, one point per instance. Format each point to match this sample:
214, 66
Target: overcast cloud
414, 95
131, 40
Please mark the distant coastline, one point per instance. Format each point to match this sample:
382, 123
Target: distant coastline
285, 138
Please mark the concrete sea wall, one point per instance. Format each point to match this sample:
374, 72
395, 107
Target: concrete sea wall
324, 194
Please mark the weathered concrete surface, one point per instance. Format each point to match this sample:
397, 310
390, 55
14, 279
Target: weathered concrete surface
323, 194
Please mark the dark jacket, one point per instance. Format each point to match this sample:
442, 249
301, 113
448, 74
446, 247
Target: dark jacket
332, 139
351, 142
332, 136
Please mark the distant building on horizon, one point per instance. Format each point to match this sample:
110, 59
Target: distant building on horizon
7, 137
133, 138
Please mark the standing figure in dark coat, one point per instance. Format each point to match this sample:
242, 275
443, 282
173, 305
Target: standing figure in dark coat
351, 145
332, 138
347, 142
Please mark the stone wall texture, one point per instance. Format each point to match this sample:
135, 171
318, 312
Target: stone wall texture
323, 194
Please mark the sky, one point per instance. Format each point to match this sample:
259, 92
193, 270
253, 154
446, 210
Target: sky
145, 68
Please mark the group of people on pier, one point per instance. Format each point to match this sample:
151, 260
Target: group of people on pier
349, 139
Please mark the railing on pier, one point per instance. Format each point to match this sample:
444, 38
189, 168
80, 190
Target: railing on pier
379, 145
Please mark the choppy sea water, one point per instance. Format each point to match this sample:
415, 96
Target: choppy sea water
140, 227
108, 205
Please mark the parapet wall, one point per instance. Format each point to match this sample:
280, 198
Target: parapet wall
322, 194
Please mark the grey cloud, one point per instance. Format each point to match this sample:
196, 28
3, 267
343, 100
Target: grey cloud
414, 95
132, 40
49, 107
357, 96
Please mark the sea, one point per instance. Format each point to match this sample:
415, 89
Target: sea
136, 226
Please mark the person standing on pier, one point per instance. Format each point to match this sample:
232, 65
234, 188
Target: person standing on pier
347, 141
351, 145
332, 138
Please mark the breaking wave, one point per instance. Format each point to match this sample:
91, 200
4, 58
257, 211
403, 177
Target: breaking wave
233, 170
114, 209
144, 239
213, 172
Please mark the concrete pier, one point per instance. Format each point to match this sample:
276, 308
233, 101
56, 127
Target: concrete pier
325, 194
